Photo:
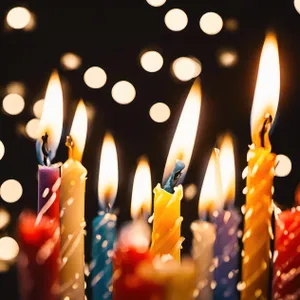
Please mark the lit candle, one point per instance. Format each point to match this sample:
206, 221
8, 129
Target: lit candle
72, 210
261, 162
226, 248
286, 273
166, 234
210, 200
50, 130
104, 225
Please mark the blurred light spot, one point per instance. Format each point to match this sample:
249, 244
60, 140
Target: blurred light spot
283, 165
38, 108
156, 3
123, 92
2, 150
9, 248
70, 61
11, 190
4, 267
160, 112
190, 191
227, 58
18, 17
4, 218
95, 77
186, 68
297, 5
32, 23
176, 19
211, 23
16, 87
152, 61
231, 24
13, 104
32, 128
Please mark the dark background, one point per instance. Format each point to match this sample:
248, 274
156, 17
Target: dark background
112, 34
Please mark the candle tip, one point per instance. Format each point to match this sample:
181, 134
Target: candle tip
174, 177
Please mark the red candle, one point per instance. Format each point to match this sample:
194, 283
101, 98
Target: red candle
286, 277
38, 261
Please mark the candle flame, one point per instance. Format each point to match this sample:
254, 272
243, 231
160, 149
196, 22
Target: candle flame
185, 135
52, 116
267, 89
108, 173
78, 131
141, 200
211, 198
227, 166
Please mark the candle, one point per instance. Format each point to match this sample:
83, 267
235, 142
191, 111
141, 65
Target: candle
72, 210
38, 258
104, 225
261, 162
226, 248
204, 232
50, 132
166, 234
286, 273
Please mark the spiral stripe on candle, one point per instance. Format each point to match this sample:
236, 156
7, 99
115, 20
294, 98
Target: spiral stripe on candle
257, 228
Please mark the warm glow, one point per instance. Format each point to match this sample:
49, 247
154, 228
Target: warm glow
156, 3
152, 61
18, 17
190, 191
2, 150
78, 131
227, 166
11, 191
267, 89
38, 108
211, 198
108, 173
9, 249
123, 92
32, 128
228, 58
4, 218
186, 131
186, 68
176, 19
16, 87
52, 116
95, 77
13, 104
211, 23
141, 199
283, 166
70, 61
232, 24
160, 112
297, 5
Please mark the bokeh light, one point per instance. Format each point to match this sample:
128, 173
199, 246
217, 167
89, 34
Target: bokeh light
160, 112
176, 19
297, 5
32, 23
123, 92
70, 61
95, 77
152, 61
18, 17
227, 58
231, 24
211, 23
190, 191
186, 68
13, 104
9, 249
32, 128
156, 3
2, 150
16, 87
4, 218
283, 165
11, 190
38, 108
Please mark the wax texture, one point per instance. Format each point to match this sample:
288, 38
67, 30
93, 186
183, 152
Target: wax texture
38, 261
166, 234
104, 235
257, 224
72, 197
48, 191
226, 254
202, 253
286, 272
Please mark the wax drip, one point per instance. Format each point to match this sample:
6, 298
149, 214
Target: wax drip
45, 150
264, 134
174, 177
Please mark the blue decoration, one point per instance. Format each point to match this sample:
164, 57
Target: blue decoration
174, 177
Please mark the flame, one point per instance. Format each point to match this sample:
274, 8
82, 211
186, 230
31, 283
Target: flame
52, 116
141, 200
267, 89
78, 131
108, 173
227, 167
211, 197
185, 135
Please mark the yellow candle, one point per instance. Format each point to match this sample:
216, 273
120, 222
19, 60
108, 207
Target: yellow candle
261, 163
166, 235
72, 210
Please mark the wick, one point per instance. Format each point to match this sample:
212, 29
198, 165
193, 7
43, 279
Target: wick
45, 149
70, 144
264, 134
174, 177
